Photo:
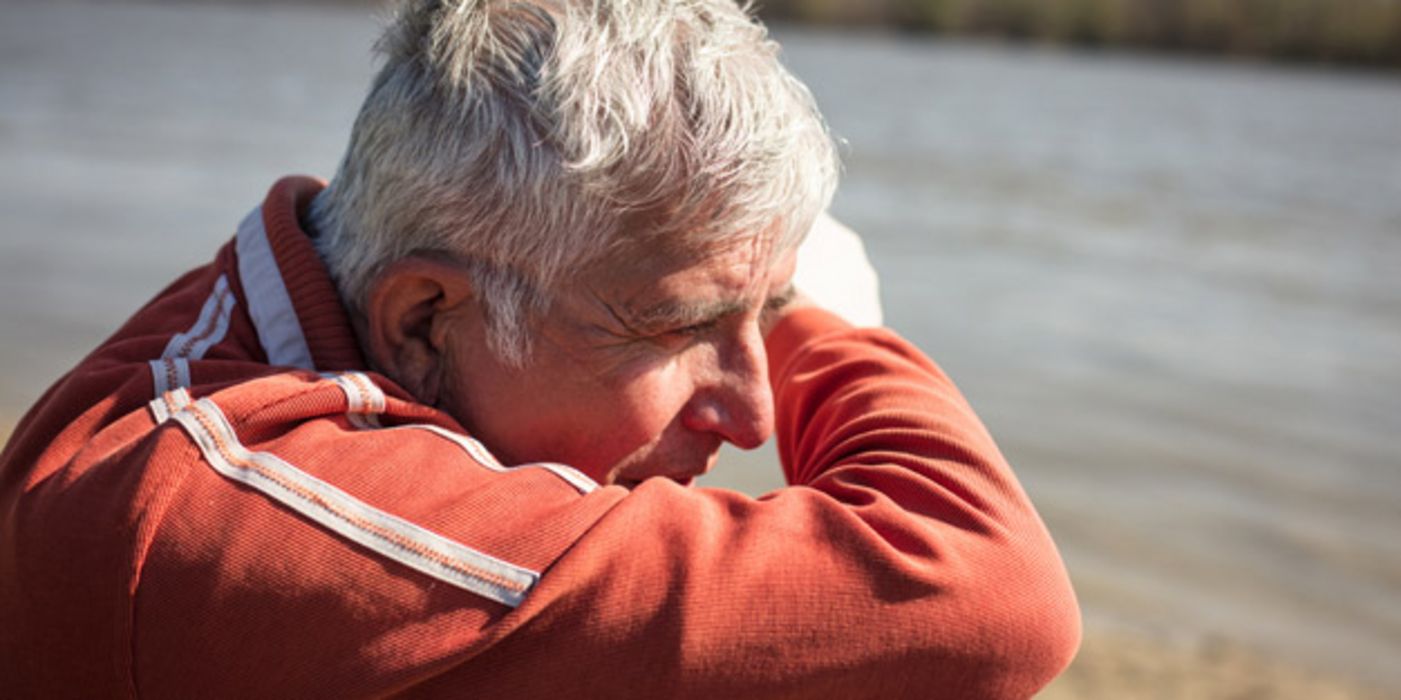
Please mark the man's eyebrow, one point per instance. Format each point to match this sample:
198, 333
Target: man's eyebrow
671, 313
783, 298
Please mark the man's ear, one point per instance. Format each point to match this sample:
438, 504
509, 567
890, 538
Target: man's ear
412, 307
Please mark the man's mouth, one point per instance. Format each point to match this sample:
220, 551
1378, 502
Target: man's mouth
631, 484
700, 463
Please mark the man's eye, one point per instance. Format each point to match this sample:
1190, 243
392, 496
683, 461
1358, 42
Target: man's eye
691, 331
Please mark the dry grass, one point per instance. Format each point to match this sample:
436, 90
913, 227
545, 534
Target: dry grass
1142, 666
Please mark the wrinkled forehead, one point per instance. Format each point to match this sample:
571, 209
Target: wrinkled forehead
659, 244
728, 271
749, 251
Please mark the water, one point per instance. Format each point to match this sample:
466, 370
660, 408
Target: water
1169, 286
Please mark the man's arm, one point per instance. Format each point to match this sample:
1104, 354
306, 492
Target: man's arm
905, 561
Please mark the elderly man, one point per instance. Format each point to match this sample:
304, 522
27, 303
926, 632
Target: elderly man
429, 429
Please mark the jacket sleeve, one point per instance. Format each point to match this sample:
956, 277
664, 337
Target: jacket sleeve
903, 561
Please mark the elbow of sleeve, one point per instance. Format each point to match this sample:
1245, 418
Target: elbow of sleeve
1040, 627
1053, 638
1011, 652
1018, 624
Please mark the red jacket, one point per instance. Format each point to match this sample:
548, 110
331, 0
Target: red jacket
221, 501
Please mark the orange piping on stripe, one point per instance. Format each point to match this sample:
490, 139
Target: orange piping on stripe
366, 397
172, 378
190, 343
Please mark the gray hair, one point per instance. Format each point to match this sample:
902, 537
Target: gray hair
531, 139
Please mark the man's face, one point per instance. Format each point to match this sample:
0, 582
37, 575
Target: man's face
640, 369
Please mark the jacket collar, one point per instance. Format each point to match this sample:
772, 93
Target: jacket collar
294, 305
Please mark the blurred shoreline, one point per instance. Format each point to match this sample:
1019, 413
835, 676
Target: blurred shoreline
1357, 33
1348, 34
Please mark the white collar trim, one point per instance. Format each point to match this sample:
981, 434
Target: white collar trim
269, 304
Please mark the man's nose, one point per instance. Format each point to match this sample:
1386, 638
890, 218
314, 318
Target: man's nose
737, 403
